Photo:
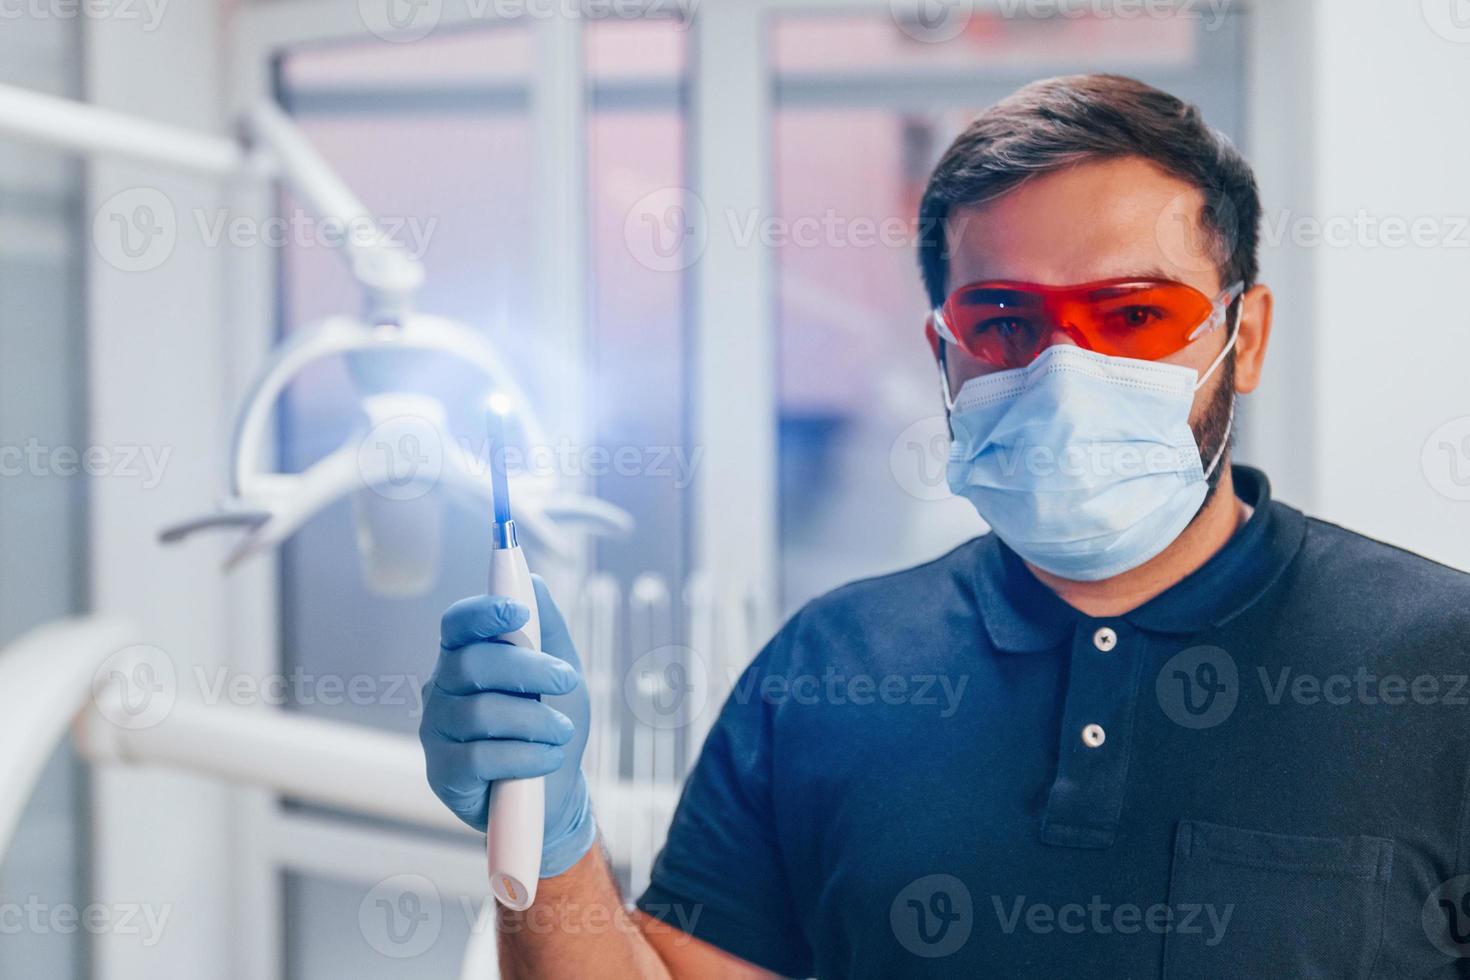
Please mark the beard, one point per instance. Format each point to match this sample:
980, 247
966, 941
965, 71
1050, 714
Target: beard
1213, 431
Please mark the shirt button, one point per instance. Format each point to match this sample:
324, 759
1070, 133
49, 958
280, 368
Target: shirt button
1105, 639
1093, 736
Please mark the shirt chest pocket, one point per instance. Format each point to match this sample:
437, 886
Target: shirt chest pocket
1275, 905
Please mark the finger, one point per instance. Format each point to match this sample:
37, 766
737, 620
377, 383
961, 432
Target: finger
555, 638
502, 667
480, 617
460, 772
468, 718
506, 759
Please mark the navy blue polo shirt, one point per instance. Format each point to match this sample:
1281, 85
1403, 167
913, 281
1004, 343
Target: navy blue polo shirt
949, 771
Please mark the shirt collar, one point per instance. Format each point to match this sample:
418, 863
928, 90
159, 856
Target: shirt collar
1022, 614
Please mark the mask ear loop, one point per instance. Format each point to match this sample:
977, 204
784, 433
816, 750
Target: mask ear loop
944, 376
1236, 298
1230, 424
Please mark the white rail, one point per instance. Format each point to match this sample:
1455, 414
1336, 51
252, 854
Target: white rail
54, 677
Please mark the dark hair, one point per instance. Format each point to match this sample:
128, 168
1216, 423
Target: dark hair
1056, 122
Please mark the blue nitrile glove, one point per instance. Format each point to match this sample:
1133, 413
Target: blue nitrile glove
481, 722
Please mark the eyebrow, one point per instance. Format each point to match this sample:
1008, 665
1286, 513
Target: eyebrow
974, 296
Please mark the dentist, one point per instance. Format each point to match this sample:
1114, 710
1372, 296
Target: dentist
1201, 735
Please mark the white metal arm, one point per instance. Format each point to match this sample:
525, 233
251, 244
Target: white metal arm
388, 275
45, 679
68, 125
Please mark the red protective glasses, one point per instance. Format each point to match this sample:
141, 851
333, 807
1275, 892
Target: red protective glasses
1008, 324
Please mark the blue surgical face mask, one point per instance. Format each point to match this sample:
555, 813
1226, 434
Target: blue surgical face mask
1083, 464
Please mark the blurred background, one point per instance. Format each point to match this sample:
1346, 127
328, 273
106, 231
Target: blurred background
685, 230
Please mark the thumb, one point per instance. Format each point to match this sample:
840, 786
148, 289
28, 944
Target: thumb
480, 617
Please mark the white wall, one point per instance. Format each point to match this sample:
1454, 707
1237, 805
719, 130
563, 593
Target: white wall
1392, 331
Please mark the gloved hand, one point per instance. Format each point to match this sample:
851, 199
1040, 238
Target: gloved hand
482, 722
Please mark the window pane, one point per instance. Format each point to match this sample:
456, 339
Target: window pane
865, 107
42, 515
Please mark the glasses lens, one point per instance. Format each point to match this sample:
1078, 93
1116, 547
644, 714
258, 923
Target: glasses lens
1001, 326
1145, 321
1008, 324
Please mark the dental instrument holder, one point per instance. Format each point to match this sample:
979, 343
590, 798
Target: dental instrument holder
517, 806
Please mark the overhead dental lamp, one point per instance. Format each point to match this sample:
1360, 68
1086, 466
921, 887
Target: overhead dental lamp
401, 449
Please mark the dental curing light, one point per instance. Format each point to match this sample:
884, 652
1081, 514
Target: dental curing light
517, 806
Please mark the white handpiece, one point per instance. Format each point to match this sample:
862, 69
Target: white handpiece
517, 806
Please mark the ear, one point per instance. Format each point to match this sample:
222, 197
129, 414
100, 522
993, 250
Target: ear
1255, 334
932, 335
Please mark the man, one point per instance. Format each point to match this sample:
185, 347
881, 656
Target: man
1197, 734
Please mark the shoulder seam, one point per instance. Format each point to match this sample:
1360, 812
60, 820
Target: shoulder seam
1399, 549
